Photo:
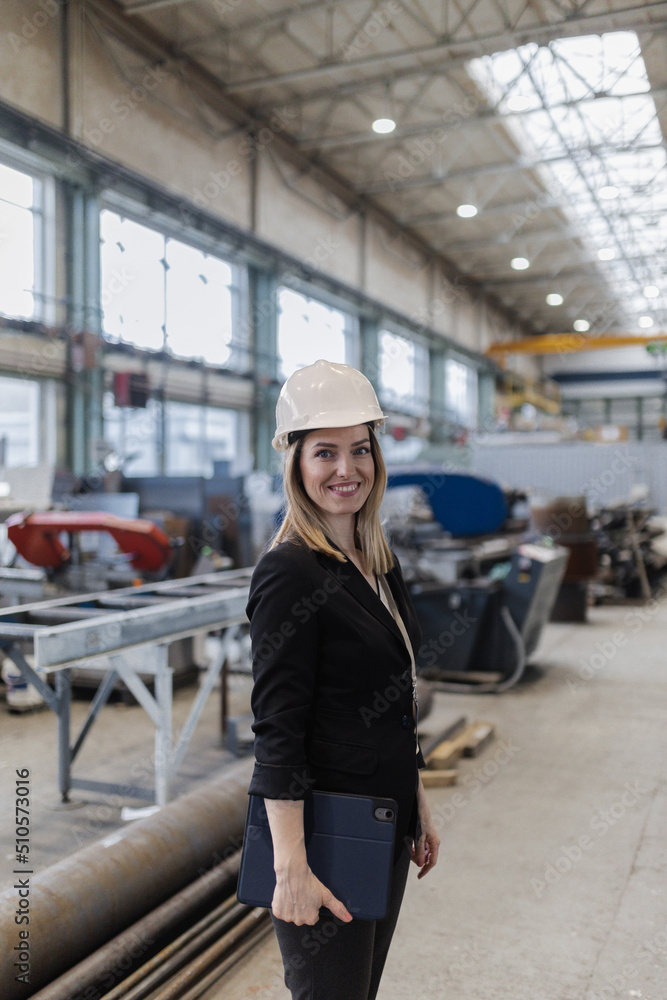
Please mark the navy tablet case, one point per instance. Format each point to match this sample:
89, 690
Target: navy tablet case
349, 845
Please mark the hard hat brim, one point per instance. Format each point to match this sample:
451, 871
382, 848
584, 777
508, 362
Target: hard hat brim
281, 439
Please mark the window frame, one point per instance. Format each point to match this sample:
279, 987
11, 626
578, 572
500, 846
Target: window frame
470, 419
417, 404
43, 212
162, 439
351, 325
169, 229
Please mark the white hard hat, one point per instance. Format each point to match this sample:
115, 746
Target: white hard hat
325, 395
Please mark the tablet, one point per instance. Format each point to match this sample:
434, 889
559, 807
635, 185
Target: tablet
349, 845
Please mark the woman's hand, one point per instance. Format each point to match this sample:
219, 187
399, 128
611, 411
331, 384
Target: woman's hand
425, 851
299, 895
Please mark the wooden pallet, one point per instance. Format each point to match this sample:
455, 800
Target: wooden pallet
438, 779
441, 761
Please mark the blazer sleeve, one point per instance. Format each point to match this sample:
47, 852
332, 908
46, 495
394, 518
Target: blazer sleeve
283, 631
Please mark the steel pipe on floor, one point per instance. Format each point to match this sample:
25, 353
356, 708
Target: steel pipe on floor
100, 971
82, 902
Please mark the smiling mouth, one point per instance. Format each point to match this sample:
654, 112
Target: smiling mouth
346, 490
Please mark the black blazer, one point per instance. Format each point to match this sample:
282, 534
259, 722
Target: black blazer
332, 697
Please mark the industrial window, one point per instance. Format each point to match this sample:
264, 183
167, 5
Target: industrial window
162, 294
198, 436
22, 245
403, 374
135, 435
194, 437
19, 422
461, 393
309, 330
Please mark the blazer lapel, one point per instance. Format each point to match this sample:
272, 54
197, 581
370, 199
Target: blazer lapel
350, 577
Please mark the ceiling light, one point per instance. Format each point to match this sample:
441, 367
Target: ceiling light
554, 299
466, 211
651, 292
608, 192
519, 263
581, 325
645, 322
606, 254
384, 125
518, 103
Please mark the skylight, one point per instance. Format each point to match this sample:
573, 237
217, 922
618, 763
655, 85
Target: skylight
584, 105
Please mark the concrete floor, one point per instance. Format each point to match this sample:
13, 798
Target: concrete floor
553, 873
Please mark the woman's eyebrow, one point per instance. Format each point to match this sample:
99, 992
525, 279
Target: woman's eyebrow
328, 444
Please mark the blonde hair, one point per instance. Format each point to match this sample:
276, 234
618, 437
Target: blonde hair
304, 523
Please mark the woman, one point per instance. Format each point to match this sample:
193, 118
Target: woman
333, 629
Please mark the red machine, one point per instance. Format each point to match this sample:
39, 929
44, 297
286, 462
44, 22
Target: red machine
35, 537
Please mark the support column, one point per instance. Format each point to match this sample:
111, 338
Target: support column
263, 310
486, 391
437, 402
163, 735
84, 354
369, 334
64, 696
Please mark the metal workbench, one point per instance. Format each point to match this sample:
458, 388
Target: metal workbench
62, 633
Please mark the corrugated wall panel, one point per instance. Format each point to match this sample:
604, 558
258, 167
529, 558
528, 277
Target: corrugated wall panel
604, 473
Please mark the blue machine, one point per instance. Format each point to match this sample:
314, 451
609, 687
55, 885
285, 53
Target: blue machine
463, 504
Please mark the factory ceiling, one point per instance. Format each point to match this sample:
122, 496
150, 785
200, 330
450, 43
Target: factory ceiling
521, 140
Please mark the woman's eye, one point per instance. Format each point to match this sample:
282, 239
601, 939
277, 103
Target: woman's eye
326, 453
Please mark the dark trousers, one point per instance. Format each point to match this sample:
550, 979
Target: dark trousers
332, 960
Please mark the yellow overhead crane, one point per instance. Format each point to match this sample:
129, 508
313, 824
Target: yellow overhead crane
567, 343
546, 395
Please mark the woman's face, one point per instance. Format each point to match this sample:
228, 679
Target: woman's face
337, 468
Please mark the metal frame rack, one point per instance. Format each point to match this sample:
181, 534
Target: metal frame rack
85, 627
